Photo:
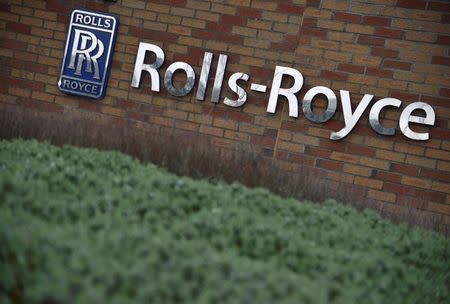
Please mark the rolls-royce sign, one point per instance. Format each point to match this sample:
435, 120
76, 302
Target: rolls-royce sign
351, 117
88, 54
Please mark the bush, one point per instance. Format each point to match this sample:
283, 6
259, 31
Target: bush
82, 226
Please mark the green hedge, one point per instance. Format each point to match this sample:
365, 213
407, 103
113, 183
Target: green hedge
82, 226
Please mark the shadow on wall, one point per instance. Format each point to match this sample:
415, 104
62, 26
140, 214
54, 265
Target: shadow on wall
192, 154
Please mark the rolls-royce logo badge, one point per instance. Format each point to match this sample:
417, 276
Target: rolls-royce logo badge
88, 54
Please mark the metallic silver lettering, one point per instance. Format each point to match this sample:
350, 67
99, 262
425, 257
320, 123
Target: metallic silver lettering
220, 72
276, 90
190, 79
203, 82
242, 95
406, 117
82, 52
374, 115
150, 68
307, 104
350, 118
258, 88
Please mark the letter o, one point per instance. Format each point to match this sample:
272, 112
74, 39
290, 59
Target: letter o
307, 104
190, 74
87, 19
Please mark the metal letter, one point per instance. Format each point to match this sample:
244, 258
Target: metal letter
190, 79
84, 53
307, 106
242, 95
374, 115
150, 68
258, 88
288, 93
221, 66
350, 118
203, 82
406, 118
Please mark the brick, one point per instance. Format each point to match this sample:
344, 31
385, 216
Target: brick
211, 131
43, 96
443, 39
244, 31
338, 56
266, 141
31, 21
152, 35
348, 158
264, 5
370, 40
336, 5
392, 84
318, 152
357, 170
113, 111
416, 182
207, 16
351, 68
340, 177
369, 182
379, 73
289, 8
437, 154
225, 123
374, 163
176, 114
18, 27
441, 187
421, 161
179, 11
330, 165
435, 175
395, 64
422, 36
347, 17
376, 21
305, 139
390, 155
438, 6
439, 208
366, 9
274, 16
388, 33
381, 195
20, 92
386, 53
239, 136
249, 12
366, 60
185, 125
354, 48
333, 75
331, 25
413, 4
251, 129
200, 5
360, 29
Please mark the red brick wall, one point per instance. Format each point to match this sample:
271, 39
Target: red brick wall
388, 48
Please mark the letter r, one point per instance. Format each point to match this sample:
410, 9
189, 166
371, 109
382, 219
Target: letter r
288, 93
150, 68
